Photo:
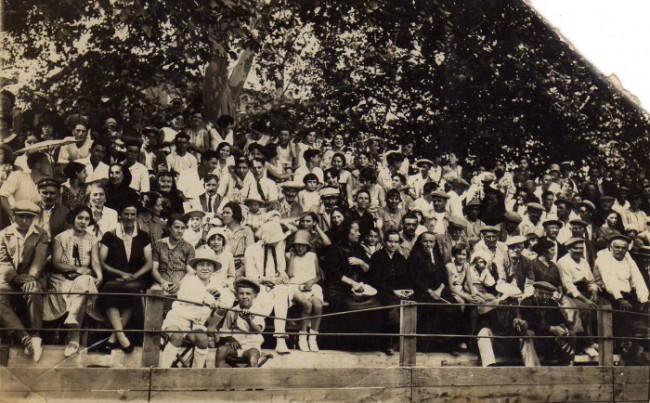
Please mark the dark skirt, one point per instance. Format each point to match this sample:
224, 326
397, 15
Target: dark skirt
123, 302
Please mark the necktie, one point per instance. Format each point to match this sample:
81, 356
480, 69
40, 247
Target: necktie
209, 203
260, 191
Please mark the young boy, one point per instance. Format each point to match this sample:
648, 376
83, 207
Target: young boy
186, 316
194, 232
246, 327
309, 198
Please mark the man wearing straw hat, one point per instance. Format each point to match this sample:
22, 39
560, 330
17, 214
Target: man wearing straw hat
265, 263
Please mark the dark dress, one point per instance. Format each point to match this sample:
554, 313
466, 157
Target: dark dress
117, 258
366, 220
429, 273
121, 196
339, 296
550, 273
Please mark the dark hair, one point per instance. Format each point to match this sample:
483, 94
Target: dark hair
400, 176
394, 157
223, 145
9, 154
237, 214
9, 95
72, 169
269, 151
210, 177
311, 153
547, 194
149, 199
261, 161
182, 135
100, 142
429, 187
76, 210
208, 155
35, 158
393, 193
459, 247
410, 215
8, 119
334, 173
362, 190
175, 217
341, 156
125, 172
368, 174
391, 232
310, 177
311, 214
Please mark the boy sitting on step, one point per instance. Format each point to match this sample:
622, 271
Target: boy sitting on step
245, 326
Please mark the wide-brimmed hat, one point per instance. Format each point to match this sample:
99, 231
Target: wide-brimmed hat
474, 203
552, 221
292, 185
247, 282
302, 237
424, 161
254, 198
271, 232
515, 240
205, 255
588, 204
480, 254
535, 205
26, 207
329, 192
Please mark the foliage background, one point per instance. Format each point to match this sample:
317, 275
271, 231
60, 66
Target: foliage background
485, 77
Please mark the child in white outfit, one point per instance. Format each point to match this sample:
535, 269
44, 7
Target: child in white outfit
304, 274
309, 198
191, 316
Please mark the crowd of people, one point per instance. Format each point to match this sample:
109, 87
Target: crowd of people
263, 218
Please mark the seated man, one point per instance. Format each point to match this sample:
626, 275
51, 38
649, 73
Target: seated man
619, 276
546, 322
23, 253
246, 327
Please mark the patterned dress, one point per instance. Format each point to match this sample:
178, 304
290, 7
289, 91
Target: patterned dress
76, 252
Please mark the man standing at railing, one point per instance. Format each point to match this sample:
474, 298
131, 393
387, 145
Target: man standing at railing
23, 252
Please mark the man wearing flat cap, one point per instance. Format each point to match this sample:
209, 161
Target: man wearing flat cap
551, 231
510, 225
546, 322
288, 204
417, 181
23, 254
578, 228
454, 235
618, 275
474, 223
53, 215
439, 220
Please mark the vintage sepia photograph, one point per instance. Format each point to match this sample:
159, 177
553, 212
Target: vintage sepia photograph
324, 200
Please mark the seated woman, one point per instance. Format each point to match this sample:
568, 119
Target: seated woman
118, 190
430, 282
197, 299
126, 259
345, 268
75, 268
239, 237
171, 257
166, 185
456, 277
390, 274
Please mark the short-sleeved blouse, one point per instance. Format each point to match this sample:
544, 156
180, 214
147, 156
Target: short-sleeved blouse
117, 252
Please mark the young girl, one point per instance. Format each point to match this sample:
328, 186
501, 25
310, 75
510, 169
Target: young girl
371, 242
186, 316
255, 215
456, 277
304, 274
309, 197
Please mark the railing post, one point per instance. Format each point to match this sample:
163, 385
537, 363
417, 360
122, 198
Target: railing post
153, 318
605, 329
407, 325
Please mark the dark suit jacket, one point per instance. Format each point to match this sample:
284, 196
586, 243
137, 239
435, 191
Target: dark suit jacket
561, 249
203, 199
34, 252
58, 219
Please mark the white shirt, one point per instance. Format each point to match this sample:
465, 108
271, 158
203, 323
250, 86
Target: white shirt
178, 164
94, 174
621, 276
573, 272
71, 152
139, 177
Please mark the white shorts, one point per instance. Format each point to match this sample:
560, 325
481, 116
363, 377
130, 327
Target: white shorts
177, 319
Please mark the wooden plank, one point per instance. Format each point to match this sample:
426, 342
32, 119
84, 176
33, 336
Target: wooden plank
153, 319
294, 395
82, 379
516, 393
631, 384
433, 377
79, 396
10, 382
605, 329
174, 379
407, 325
